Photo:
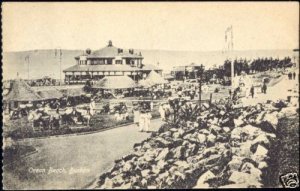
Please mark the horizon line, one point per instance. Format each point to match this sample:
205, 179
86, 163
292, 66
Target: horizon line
240, 50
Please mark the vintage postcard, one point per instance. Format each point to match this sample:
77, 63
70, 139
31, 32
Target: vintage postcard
150, 95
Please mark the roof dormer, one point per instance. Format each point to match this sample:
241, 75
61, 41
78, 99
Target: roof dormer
110, 43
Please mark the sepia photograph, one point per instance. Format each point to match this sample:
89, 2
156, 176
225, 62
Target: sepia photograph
150, 95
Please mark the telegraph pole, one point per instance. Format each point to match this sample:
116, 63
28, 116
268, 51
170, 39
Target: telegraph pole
27, 58
232, 63
200, 71
60, 55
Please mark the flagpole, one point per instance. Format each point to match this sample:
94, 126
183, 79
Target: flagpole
28, 60
230, 51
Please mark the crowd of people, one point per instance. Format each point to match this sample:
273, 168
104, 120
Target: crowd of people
54, 113
45, 118
142, 114
45, 81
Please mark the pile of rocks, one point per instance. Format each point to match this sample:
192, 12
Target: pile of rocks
227, 149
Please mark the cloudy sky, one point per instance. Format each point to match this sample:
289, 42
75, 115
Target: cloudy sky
170, 26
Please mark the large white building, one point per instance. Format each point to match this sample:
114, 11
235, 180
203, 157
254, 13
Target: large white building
108, 61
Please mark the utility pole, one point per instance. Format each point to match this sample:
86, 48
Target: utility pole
27, 58
200, 72
232, 63
60, 55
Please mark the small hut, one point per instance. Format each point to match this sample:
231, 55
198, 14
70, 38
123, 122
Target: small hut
50, 94
73, 92
115, 82
152, 79
20, 92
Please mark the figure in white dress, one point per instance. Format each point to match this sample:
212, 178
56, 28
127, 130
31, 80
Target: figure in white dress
142, 121
162, 112
92, 107
136, 116
147, 119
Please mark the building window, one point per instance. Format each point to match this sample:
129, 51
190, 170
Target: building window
132, 63
109, 61
118, 61
82, 62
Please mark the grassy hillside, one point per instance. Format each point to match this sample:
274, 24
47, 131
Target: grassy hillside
46, 62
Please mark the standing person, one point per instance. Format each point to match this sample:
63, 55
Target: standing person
167, 112
136, 115
142, 120
264, 88
92, 106
230, 93
252, 91
151, 106
290, 75
148, 117
294, 75
161, 112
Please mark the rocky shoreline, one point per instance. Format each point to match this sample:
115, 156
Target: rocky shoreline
228, 148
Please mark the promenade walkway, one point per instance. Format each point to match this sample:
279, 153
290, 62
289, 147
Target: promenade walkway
77, 160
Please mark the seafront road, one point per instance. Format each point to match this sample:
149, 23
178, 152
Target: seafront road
276, 92
72, 162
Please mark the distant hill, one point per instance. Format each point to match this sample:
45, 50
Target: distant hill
46, 62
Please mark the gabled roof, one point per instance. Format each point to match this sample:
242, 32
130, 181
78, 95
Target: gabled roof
52, 93
73, 92
21, 91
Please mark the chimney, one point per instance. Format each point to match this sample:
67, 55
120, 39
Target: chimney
88, 51
110, 43
120, 50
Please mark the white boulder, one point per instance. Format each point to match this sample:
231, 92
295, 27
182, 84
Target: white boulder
201, 183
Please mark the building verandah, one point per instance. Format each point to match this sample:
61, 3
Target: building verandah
82, 76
